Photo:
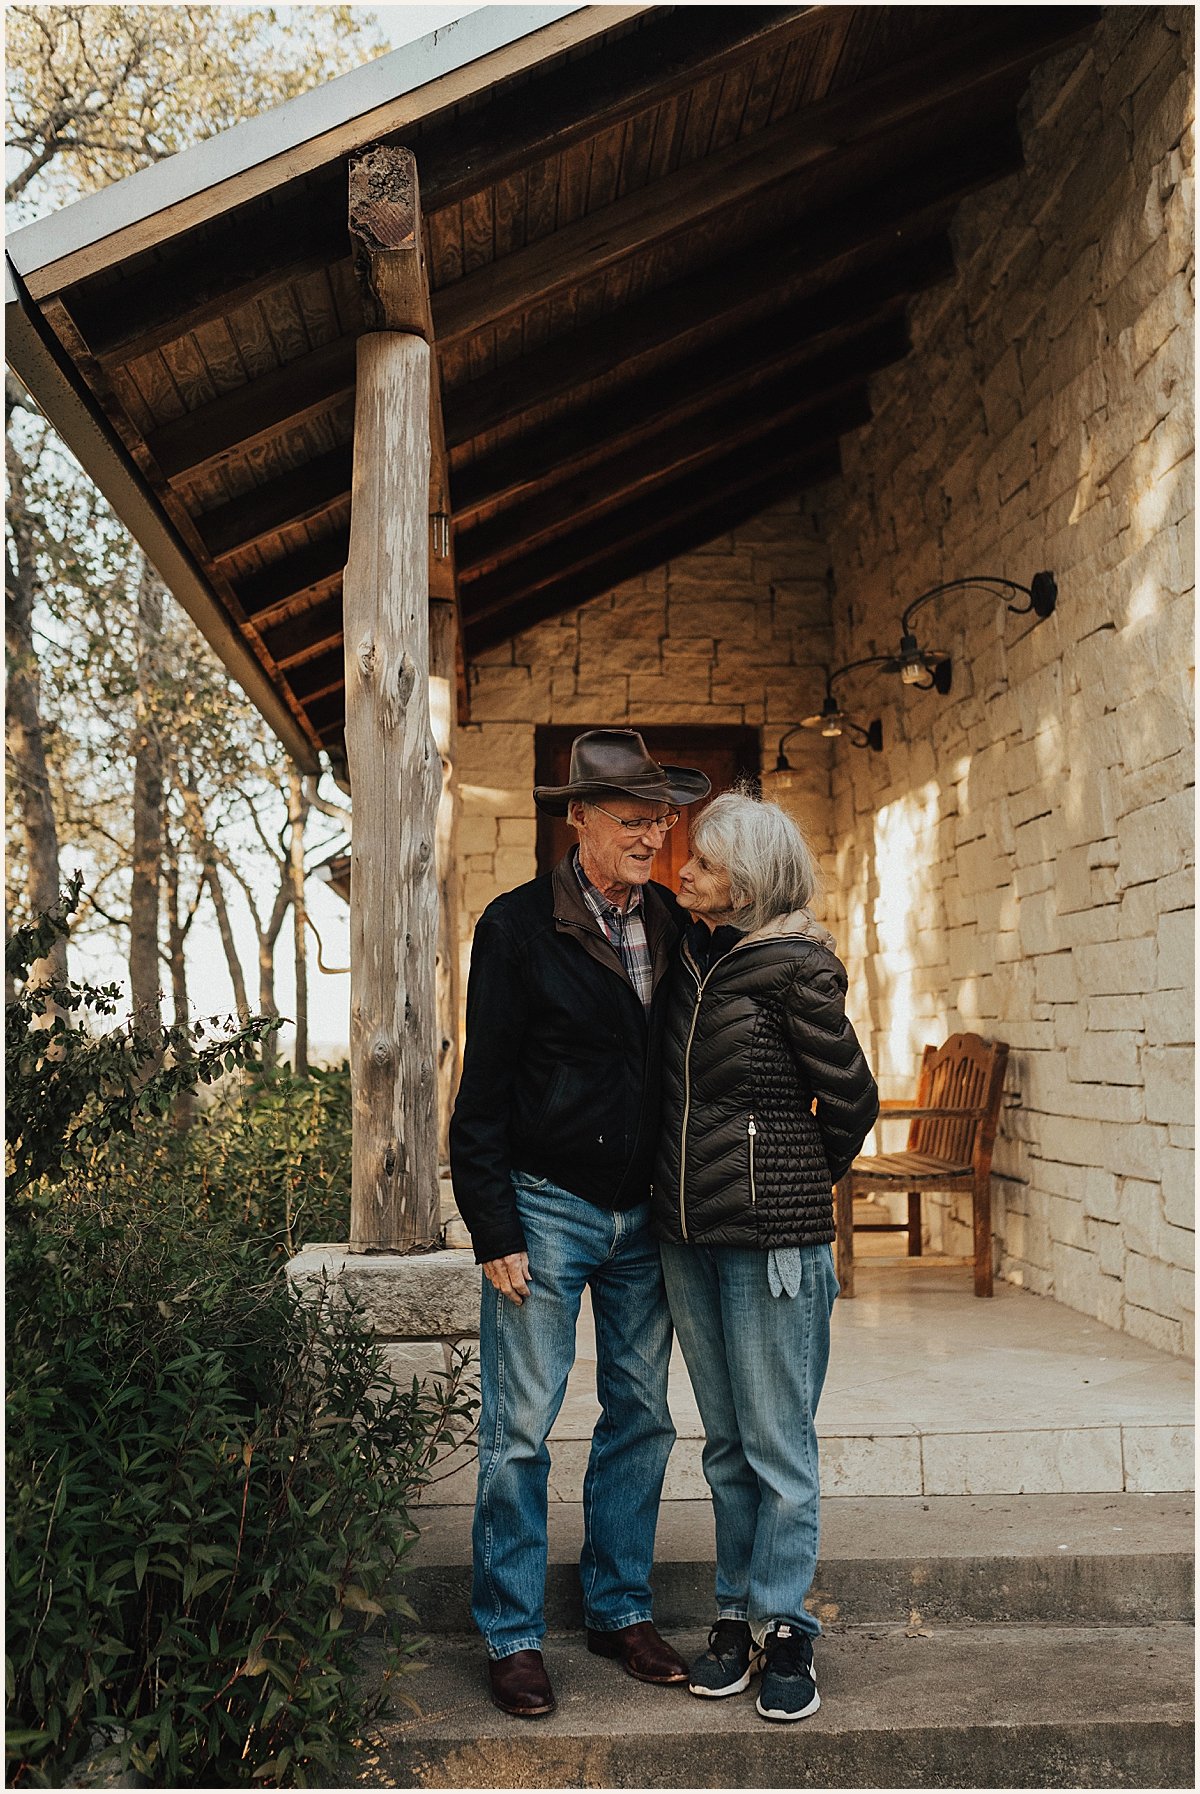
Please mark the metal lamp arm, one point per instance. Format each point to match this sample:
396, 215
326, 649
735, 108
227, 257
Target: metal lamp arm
992, 583
870, 660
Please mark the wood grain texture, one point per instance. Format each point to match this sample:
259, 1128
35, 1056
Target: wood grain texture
395, 771
445, 659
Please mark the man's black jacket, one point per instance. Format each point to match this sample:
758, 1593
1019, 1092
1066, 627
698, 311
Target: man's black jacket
560, 1069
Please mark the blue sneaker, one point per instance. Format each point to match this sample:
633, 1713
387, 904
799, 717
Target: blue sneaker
789, 1684
730, 1660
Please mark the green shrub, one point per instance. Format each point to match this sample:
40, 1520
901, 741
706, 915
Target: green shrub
208, 1478
208, 1492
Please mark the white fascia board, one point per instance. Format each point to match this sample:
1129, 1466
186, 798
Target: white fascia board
86, 432
250, 158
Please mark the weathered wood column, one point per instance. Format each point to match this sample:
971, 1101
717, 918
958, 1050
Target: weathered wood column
443, 640
395, 769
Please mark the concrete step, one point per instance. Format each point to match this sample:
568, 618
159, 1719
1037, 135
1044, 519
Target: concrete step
935, 1706
1105, 1558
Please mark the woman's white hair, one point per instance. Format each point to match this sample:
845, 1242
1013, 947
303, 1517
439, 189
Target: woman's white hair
769, 864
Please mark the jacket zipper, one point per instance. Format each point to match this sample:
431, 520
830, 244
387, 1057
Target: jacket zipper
687, 1081
751, 1134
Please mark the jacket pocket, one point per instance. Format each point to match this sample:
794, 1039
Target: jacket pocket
751, 1137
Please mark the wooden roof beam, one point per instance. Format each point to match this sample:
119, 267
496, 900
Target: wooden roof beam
689, 528
783, 159
461, 156
513, 536
901, 238
226, 427
725, 368
304, 494
642, 516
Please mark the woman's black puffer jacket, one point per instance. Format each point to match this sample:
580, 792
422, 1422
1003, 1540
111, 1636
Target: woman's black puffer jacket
745, 1159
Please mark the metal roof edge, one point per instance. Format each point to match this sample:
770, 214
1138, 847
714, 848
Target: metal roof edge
74, 415
282, 134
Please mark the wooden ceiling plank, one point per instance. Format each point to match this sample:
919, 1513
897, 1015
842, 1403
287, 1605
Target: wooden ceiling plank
294, 639
695, 524
829, 53
300, 495
514, 534
795, 148
638, 517
283, 581
878, 225
804, 332
463, 157
226, 427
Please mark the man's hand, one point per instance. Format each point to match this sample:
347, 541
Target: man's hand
509, 1275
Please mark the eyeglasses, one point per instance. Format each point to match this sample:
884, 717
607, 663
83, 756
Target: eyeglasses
640, 825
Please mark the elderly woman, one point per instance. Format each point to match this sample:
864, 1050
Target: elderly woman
767, 1100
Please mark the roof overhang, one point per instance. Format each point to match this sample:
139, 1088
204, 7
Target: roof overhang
668, 247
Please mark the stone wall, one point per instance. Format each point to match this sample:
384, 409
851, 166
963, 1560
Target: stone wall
721, 635
1018, 861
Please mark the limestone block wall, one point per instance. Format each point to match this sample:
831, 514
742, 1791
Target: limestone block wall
727, 634
1019, 860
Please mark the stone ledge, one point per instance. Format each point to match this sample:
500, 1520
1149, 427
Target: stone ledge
428, 1295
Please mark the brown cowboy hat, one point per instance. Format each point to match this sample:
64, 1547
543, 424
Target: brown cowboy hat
616, 760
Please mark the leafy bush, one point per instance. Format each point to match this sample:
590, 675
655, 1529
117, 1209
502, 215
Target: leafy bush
208, 1490
208, 1478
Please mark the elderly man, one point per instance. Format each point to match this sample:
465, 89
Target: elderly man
551, 1145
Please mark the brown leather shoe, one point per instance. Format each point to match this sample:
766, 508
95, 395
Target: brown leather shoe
520, 1685
641, 1652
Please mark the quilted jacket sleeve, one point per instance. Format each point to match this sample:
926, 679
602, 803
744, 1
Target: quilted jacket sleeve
479, 1129
827, 1051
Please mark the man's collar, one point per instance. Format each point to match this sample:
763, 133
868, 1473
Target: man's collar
597, 895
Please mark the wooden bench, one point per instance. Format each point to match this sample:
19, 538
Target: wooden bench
952, 1130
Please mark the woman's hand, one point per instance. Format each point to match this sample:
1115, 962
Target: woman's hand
510, 1275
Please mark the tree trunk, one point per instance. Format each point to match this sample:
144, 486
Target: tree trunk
144, 961
267, 938
297, 815
216, 891
24, 737
184, 1111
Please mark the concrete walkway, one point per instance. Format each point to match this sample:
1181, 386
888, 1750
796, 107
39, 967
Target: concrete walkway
932, 1391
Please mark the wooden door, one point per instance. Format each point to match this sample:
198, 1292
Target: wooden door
721, 752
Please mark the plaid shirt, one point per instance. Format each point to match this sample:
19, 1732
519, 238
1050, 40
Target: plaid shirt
625, 929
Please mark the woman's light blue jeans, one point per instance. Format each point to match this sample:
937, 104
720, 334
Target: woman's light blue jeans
526, 1354
757, 1364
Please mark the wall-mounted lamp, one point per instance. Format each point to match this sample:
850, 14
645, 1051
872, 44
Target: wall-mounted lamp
833, 722
931, 667
439, 525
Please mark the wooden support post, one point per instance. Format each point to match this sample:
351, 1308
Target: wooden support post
445, 653
394, 765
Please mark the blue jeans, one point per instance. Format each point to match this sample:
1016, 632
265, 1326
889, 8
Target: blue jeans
526, 1354
757, 1364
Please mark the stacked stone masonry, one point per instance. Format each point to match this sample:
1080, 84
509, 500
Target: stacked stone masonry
730, 634
1019, 859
